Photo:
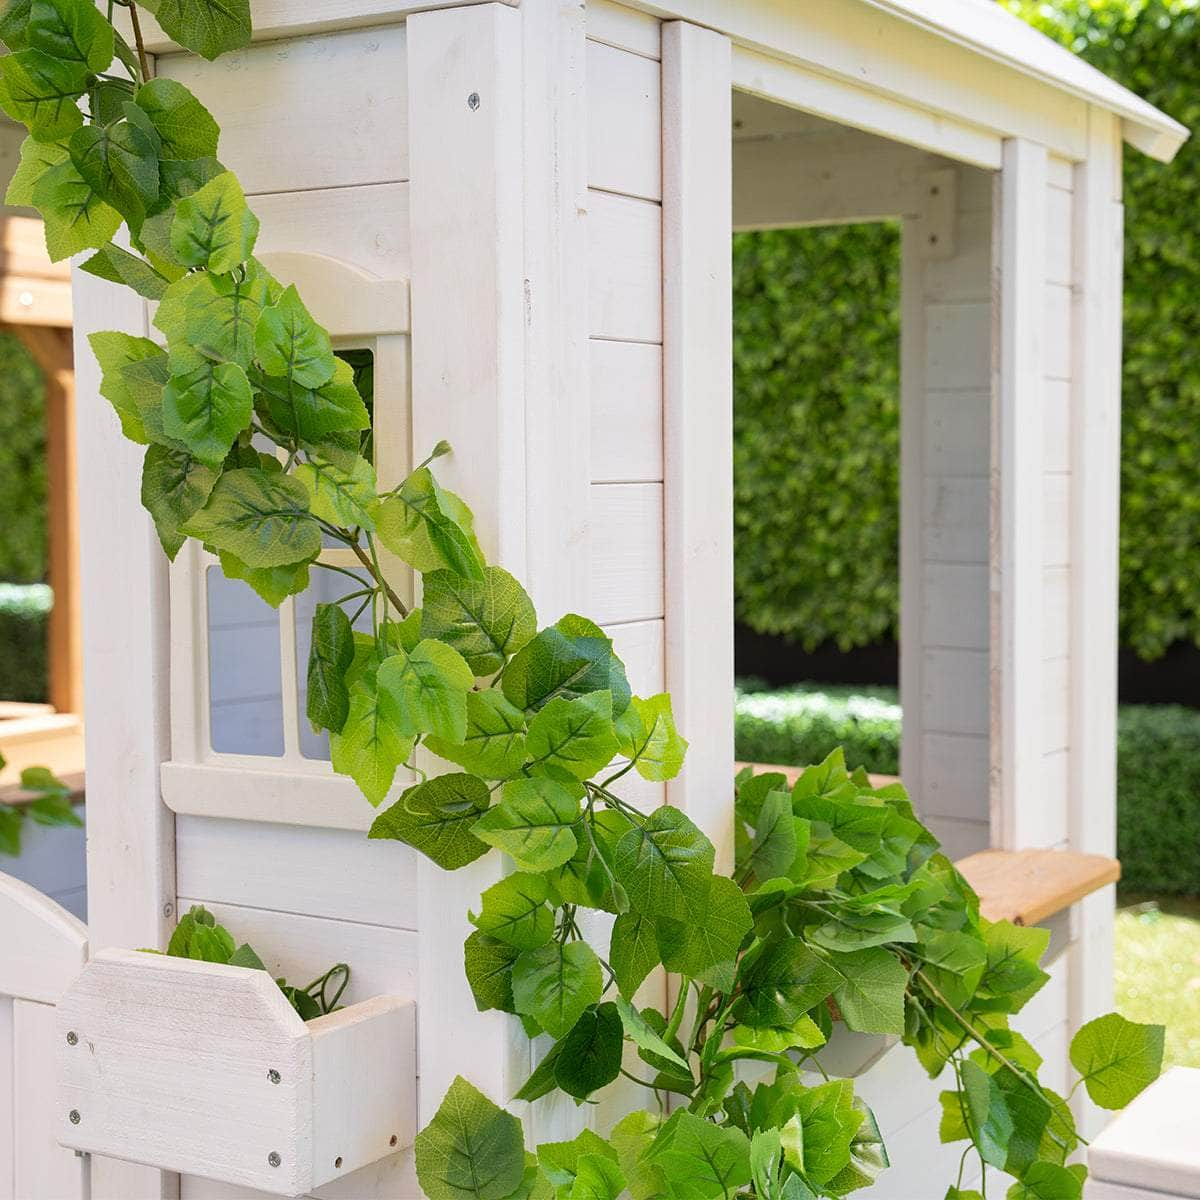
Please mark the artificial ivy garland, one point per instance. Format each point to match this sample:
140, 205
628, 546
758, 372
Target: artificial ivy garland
840, 910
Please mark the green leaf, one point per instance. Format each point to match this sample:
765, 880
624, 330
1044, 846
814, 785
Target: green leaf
634, 952
120, 163
870, 995
1047, 1181
220, 313
471, 1150
262, 517
541, 1082
329, 657
119, 266
42, 779
340, 497
962, 1194
55, 810
649, 739
485, 620
571, 658
185, 126
488, 963
436, 817
12, 820
706, 944
494, 745
590, 1057
207, 408
1117, 1058
272, 584
990, 1122
369, 749
41, 91
175, 486
114, 351
1011, 975
774, 848
700, 1160
75, 215
639, 1031
245, 956
598, 1178
73, 31
515, 911
311, 415
429, 528
533, 823
554, 984
575, 736
36, 159
429, 687
560, 1161
213, 227
631, 1137
782, 983
291, 345
14, 21
665, 865
211, 943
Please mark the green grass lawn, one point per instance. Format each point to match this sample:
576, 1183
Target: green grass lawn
1158, 971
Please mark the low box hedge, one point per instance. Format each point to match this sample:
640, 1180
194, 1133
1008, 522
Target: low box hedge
24, 612
1158, 766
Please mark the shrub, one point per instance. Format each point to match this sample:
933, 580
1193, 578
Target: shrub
24, 610
22, 465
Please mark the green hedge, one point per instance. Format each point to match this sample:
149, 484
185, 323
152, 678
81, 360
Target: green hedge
24, 612
815, 330
1158, 766
22, 465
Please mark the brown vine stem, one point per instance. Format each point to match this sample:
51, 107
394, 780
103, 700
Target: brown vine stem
139, 43
365, 559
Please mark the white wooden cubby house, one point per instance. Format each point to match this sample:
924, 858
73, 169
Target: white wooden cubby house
524, 209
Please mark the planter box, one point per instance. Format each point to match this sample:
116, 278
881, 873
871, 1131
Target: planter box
206, 1069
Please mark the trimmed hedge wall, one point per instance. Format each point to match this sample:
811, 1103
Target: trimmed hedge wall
1158, 766
815, 378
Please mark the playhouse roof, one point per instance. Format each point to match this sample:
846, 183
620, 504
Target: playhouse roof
987, 28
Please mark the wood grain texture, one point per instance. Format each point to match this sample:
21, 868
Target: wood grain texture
627, 552
624, 268
624, 105
639, 645
44, 946
1028, 886
625, 28
626, 412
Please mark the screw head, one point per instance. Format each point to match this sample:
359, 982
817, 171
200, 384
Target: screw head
72, 1038
273, 1075
473, 102
274, 1159
168, 909
74, 1116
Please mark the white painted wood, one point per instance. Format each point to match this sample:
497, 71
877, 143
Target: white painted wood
639, 645
331, 873
1058, 235
958, 345
44, 946
624, 103
467, 364
955, 600
40, 1166
955, 516
698, 416
8, 1157
207, 1069
1056, 520
1056, 612
955, 767
960, 836
1056, 344
626, 408
955, 698
1056, 425
1017, 503
625, 28
263, 95
625, 256
953, 421
627, 552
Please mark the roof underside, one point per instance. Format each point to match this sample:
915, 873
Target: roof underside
987, 28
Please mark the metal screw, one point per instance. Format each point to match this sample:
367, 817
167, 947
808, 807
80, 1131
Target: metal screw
168, 909
473, 101
274, 1159
72, 1038
273, 1075
74, 1116
337, 1162
393, 1140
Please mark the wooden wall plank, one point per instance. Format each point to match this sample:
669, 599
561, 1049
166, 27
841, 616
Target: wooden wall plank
1056, 425
8, 1164
624, 142
1056, 343
626, 408
955, 517
627, 552
953, 422
625, 257
959, 344
955, 699
956, 767
625, 28
955, 602
639, 644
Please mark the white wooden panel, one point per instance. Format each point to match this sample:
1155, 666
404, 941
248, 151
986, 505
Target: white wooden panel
625, 28
959, 838
364, 226
1056, 425
954, 771
1048, 826
627, 552
624, 99
957, 424
44, 946
1060, 172
1056, 517
956, 520
626, 407
1056, 612
965, 277
42, 1168
624, 268
1058, 236
955, 698
639, 645
382, 961
333, 873
955, 598
958, 345
7, 1096
1057, 333
263, 96
1056, 710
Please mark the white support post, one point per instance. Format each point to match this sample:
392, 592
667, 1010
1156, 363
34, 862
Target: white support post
698, 419
468, 345
123, 571
1095, 481
1017, 462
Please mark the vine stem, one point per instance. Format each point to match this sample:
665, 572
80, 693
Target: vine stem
139, 43
365, 559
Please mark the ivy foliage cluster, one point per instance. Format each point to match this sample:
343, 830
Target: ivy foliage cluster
840, 912
48, 803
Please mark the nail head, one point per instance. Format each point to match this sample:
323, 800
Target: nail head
74, 1116
274, 1159
473, 101
72, 1038
273, 1075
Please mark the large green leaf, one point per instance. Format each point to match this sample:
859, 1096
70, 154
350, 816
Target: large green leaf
430, 528
207, 408
220, 313
650, 740
571, 658
829, 1120
429, 686
554, 984
1011, 975
369, 748
209, 27
575, 736
313, 414
36, 159
988, 1118
1117, 1058
488, 963
73, 31
184, 125
1048, 1181
590, 1057
272, 584
533, 823
115, 351
214, 227
471, 1150
870, 992
75, 215
14, 23
645, 1037
120, 163
175, 486
42, 92
340, 497
634, 951
117, 265
665, 865
260, 516
782, 983
485, 620
330, 654
291, 345
774, 848
494, 745
436, 817
700, 1160
705, 945
515, 911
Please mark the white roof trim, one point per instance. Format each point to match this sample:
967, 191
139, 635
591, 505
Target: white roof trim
987, 28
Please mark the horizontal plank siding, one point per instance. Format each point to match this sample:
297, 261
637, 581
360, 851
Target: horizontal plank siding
626, 412
624, 122
625, 28
627, 552
624, 268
